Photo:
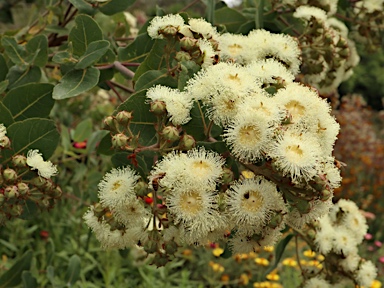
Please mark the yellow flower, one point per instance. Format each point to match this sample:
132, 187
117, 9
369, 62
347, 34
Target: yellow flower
225, 278
216, 267
309, 253
315, 263
290, 262
262, 261
217, 251
244, 279
273, 276
268, 248
376, 284
320, 257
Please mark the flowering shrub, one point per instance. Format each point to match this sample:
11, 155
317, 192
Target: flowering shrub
224, 137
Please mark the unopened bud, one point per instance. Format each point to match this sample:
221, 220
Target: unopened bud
182, 56
110, 123
158, 108
170, 133
187, 142
304, 207
311, 233
23, 188
5, 142
170, 247
39, 182
160, 260
11, 192
19, 161
325, 195
275, 221
228, 176
56, 192
169, 31
150, 246
16, 210
119, 140
9, 175
188, 44
124, 117
45, 203
141, 188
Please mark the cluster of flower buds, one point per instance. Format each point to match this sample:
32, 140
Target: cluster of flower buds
19, 186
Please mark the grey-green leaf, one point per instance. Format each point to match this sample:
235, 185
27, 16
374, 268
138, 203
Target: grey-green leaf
73, 271
12, 277
75, 82
14, 51
83, 130
5, 115
20, 75
155, 77
85, 31
38, 47
94, 52
3, 85
30, 100
28, 280
83, 7
115, 6
4, 68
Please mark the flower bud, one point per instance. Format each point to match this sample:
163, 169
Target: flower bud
110, 123
45, 202
19, 161
158, 108
119, 140
325, 195
311, 233
170, 247
188, 44
150, 246
160, 260
9, 175
16, 210
11, 192
182, 56
23, 188
275, 221
124, 117
304, 207
169, 31
228, 176
56, 192
141, 188
5, 142
39, 182
187, 142
170, 133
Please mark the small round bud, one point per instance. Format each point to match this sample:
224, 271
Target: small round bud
160, 260
5, 142
187, 142
56, 192
170, 247
169, 31
182, 56
19, 161
9, 175
45, 202
188, 43
23, 188
110, 124
228, 176
275, 221
16, 210
150, 246
170, 133
303, 206
119, 140
158, 108
11, 192
141, 188
311, 233
39, 182
124, 117
325, 195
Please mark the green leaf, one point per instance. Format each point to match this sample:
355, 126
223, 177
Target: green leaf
83, 7
4, 68
210, 10
143, 121
115, 6
153, 61
51, 274
85, 31
63, 57
28, 280
73, 271
75, 82
3, 85
83, 130
105, 146
30, 100
14, 51
137, 50
188, 69
12, 277
279, 253
155, 77
259, 14
144, 160
219, 146
30, 210
231, 18
33, 133
195, 126
5, 115
94, 139
37, 47
94, 52
18, 75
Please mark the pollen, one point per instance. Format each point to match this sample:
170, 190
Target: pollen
191, 203
252, 201
249, 134
235, 49
295, 108
116, 185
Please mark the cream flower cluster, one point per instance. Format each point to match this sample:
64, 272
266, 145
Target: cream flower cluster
36, 161
338, 234
3, 138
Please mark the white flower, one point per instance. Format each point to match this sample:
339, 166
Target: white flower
203, 27
45, 169
233, 47
350, 262
3, 131
207, 51
160, 22
366, 274
317, 282
344, 243
178, 104
307, 12
252, 202
324, 236
117, 187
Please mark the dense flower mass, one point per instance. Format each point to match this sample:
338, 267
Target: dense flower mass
44, 168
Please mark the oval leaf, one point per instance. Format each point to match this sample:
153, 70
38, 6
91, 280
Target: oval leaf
94, 52
73, 271
37, 48
12, 277
75, 82
85, 31
83, 130
279, 253
231, 18
155, 77
21, 75
4, 68
28, 280
5, 115
115, 6
30, 100
14, 51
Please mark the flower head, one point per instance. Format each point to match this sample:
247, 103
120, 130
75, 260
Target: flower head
159, 23
45, 169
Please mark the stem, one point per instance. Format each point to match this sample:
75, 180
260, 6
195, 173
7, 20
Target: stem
110, 85
202, 117
125, 88
298, 258
208, 131
123, 70
189, 5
